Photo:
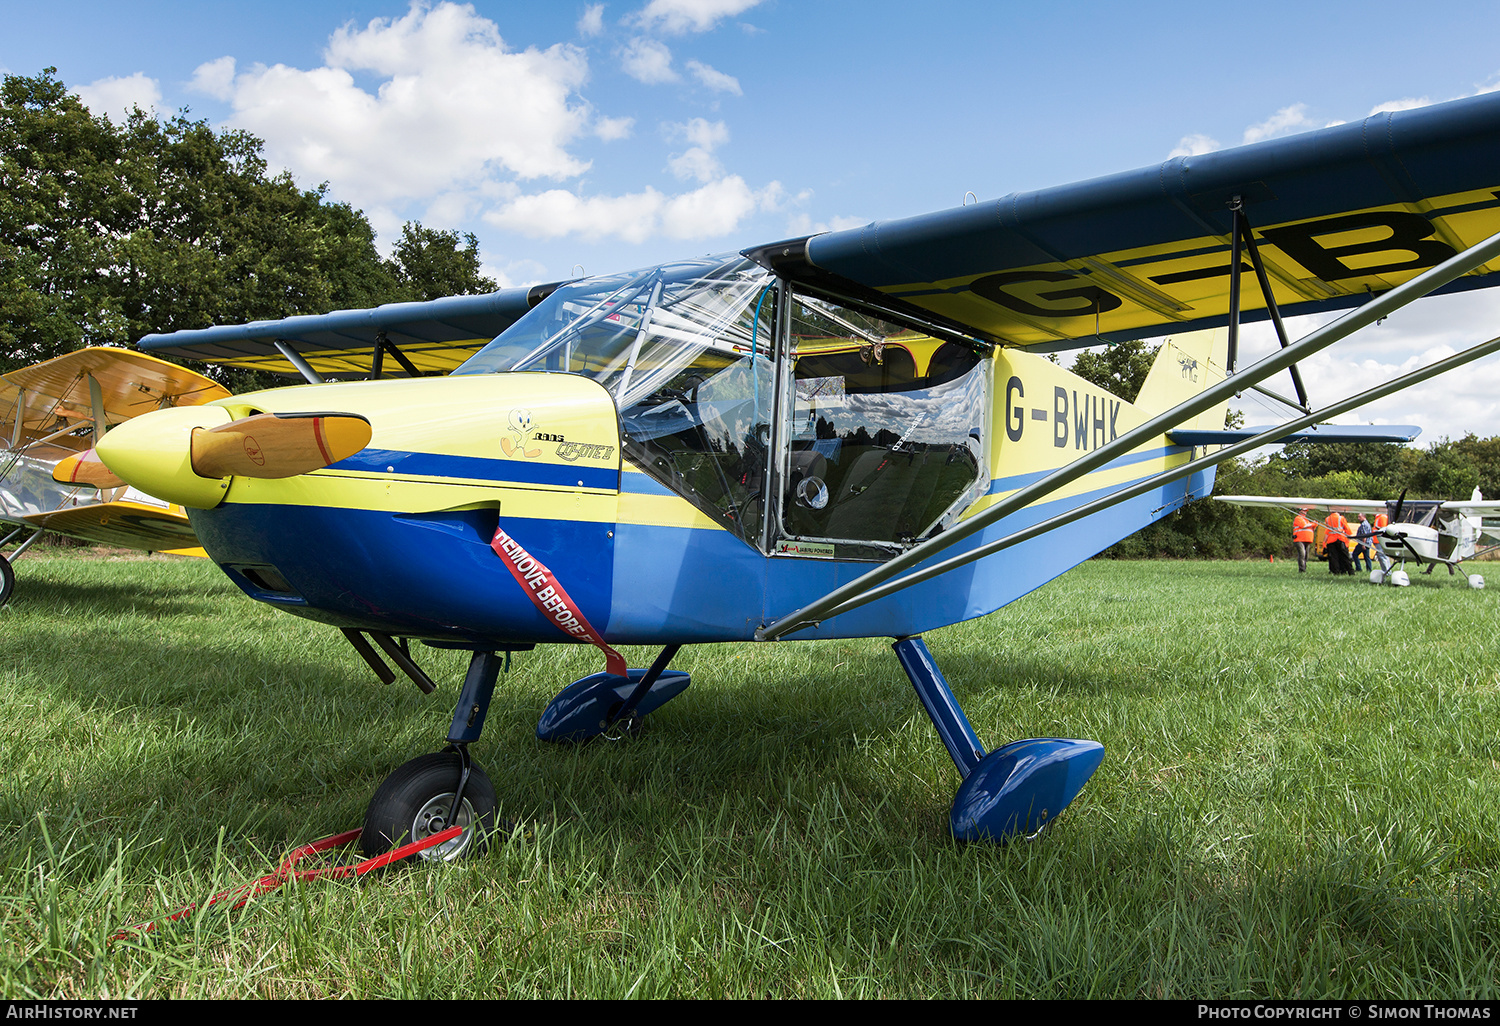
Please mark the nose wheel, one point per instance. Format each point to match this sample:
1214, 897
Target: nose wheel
416, 802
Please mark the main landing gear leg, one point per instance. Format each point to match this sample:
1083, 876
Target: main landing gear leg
427, 794
600, 702
1017, 789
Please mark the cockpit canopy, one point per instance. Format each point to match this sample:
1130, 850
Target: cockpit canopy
733, 387
1421, 512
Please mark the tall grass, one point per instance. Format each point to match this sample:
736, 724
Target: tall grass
1298, 799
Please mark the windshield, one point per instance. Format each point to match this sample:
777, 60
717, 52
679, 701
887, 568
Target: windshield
635, 333
686, 351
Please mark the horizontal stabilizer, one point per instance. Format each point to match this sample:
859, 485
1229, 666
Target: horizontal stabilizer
1318, 433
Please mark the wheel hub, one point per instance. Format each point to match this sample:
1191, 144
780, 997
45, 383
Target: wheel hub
432, 818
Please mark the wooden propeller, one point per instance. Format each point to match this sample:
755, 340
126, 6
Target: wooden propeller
271, 445
85, 468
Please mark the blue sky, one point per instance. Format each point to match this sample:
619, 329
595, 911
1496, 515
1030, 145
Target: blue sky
620, 134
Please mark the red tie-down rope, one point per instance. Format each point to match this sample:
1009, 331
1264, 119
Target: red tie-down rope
285, 872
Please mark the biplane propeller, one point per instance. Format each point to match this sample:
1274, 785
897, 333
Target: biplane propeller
847, 435
50, 476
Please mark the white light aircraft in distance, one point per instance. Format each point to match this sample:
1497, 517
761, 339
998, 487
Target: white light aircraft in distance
850, 434
1431, 532
51, 416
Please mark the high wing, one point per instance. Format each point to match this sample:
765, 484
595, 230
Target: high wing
1473, 507
1337, 214
1293, 505
411, 339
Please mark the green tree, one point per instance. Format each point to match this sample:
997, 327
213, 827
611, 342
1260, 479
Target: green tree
1120, 369
430, 264
1445, 471
109, 233
60, 214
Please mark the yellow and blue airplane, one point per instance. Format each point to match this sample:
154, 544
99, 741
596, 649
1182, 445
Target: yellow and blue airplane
853, 434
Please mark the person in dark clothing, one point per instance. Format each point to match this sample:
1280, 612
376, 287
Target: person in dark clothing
1364, 536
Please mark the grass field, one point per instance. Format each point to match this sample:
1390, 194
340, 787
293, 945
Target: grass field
1298, 799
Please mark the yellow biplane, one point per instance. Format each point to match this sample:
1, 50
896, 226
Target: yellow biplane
852, 434
51, 416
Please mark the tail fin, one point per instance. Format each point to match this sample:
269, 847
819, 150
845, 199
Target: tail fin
1186, 365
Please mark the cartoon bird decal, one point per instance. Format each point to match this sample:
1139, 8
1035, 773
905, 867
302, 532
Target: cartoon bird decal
515, 444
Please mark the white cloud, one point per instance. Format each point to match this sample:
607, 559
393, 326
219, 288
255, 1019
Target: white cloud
680, 16
1427, 330
802, 224
454, 108
215, 78
431, 115
592, 22
610, 129
1409, 103
1192, 145
714, 79
116, 97
698, 162
713, 210
1284, 122
648, 61
700, 132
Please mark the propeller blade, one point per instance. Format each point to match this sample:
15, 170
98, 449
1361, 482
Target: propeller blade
272, 445
85, 468
1395, 517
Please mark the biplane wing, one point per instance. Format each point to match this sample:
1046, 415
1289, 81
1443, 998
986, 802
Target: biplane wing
101, 382
1338, 214
397, 339
53, 412
136, 521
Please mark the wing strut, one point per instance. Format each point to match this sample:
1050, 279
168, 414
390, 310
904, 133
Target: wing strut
295, 359
1317, 340
384, 345
1242, 231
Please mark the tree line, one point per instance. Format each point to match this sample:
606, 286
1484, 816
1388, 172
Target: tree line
1446, 469
110, 232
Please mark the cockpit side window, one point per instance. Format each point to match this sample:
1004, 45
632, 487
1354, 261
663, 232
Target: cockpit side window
885, 441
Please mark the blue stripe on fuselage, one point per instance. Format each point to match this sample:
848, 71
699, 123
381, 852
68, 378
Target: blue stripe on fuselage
1010, 484
478, 468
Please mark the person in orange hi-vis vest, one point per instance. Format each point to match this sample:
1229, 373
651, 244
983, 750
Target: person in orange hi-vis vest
1302, 536
1337, 543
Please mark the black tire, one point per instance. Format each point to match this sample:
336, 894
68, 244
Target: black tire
413, 803
7, 581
